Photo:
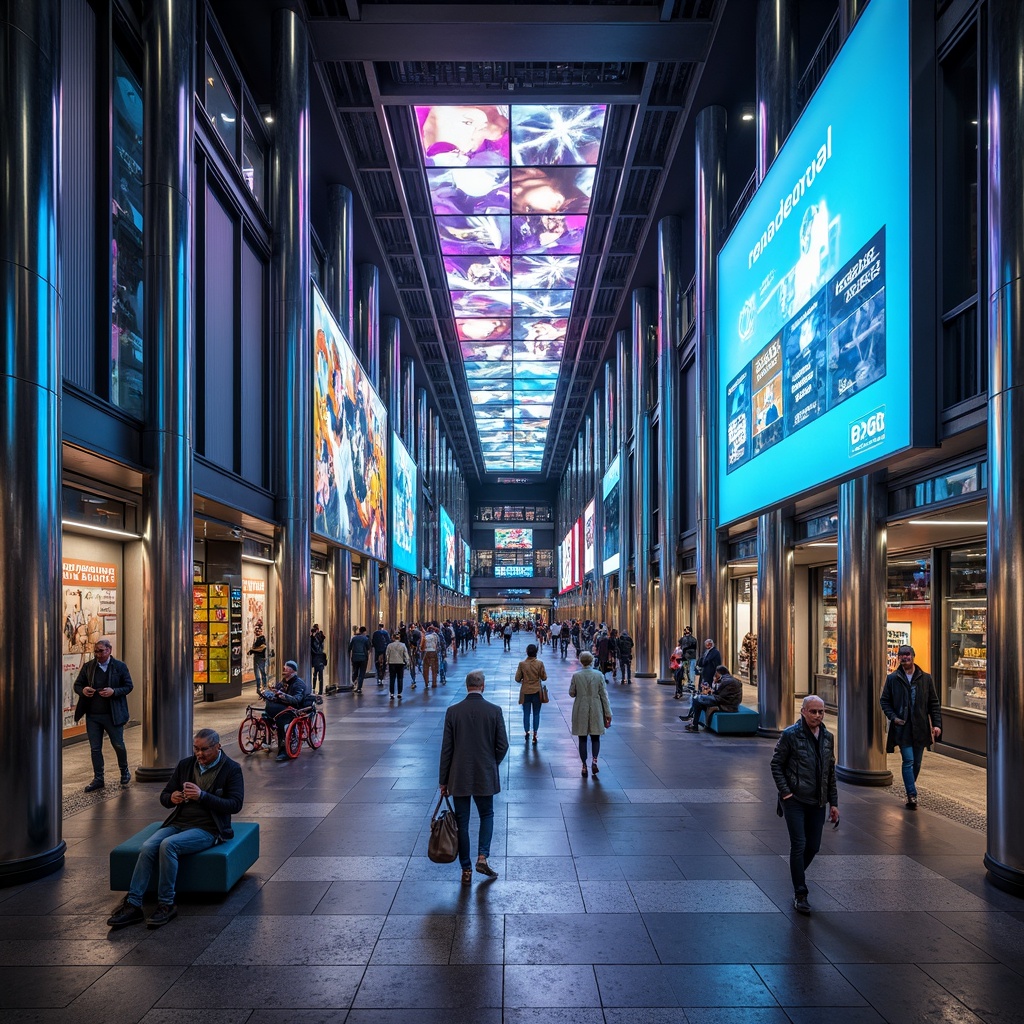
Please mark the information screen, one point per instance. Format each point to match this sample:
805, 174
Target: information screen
610, 517
814, 286
513, 539
589, 514
403, 508
446, 537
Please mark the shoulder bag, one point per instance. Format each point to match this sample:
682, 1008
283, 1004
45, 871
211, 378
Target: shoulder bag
443, 846
544, 698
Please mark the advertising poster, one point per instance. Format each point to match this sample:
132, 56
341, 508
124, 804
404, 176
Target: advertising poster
254, 612
467, 557
446, 550
404, 554
565, 564
90, 614
610, 517
589, 517
814, 294
513, 539
897, 634
350, 492
577, 552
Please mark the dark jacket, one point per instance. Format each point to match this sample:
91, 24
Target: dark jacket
295, 693
728, 693
117, 677
473, 745
316, 650
221, 802
916, 730
380, 639
794, 769
689, 647
359, 647
625, 644
259, 648
707, 663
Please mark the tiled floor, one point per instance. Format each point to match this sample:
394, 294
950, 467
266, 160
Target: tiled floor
656, 892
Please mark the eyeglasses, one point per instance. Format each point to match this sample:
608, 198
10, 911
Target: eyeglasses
202, 750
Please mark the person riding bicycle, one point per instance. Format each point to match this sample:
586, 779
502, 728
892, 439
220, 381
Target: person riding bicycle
291, 694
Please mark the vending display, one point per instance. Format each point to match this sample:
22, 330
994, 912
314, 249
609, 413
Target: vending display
211, 633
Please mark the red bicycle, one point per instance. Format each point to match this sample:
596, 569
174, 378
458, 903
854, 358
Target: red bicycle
257, 732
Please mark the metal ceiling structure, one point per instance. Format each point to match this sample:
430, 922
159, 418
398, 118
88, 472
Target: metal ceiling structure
642, 58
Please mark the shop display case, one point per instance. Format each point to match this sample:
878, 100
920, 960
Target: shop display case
825, 682
211, 661
967, 688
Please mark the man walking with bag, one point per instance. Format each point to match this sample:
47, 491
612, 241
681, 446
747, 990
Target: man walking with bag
474, 744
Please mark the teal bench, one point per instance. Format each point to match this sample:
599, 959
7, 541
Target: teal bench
213, 870
742, 722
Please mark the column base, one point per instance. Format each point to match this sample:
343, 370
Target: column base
645, 675
666, 682
1008, 879
863, 777
772, 733
28, 869
153, 774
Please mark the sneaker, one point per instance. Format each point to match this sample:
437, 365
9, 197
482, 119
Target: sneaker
800, 903
163, 913
126, 777
281, 757
485, 869
124, 914
94, 785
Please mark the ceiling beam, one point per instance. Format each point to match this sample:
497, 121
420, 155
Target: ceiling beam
529, 32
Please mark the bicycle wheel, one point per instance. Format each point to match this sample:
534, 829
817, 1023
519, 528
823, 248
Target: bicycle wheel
293, 738
317, 730
249, 734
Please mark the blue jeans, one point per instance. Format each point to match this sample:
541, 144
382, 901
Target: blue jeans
485, 808
805, 822
161, 852
911, 767
95, 727
259, 668
531, 702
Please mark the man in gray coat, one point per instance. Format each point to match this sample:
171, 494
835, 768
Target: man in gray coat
474, 744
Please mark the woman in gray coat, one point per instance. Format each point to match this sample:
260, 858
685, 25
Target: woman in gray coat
591, 713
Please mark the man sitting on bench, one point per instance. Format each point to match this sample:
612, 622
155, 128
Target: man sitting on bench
203, 793
726, 694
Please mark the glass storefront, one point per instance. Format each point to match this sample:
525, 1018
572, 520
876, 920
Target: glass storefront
964, 617
826, 652
742, 659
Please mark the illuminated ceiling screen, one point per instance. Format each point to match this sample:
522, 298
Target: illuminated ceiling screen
510, 188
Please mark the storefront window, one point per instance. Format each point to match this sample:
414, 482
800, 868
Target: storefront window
126, 242
220, 106
909, 608
825, 671
744, 657
254, 166
966, 613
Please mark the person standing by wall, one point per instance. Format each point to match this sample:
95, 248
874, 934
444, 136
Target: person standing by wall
317, 657
912, 706
259, 656
103, 685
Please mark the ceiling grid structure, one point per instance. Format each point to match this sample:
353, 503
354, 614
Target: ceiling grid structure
378, 61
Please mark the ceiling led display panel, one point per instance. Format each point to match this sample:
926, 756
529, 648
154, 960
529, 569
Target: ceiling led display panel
510, 189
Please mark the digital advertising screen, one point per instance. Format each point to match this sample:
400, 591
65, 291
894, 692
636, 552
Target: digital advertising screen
610, 517
577, 551
516, 539
565, 570
350, 443
814, 286
404, 555
466, 567
446, 550
589, 522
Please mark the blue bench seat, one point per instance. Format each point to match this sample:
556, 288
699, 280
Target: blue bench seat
741, 722
213, 870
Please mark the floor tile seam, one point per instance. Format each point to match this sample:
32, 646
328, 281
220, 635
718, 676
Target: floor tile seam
181, 969
959, 1002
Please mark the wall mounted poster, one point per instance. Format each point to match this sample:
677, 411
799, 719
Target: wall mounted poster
404, 553
610, 517
254, 610
350, 439
90, 614
589, 522
446, 538
897, 635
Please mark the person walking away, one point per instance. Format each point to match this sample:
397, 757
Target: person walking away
625, 652
474, 743
397, 656
429, 647
804, 770
591, 712
912, 707
317, 657
359, 648
380, 639
530, 674
103, 685
506, 634
415, 638
203, 793
259, 657
605, 657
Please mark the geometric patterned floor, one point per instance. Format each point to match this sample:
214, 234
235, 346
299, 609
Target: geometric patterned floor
657, 892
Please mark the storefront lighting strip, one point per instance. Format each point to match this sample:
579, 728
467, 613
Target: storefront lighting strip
72, 524
824, 544
947, 522
257, 559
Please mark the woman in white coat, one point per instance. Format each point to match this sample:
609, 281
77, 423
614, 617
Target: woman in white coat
591, 713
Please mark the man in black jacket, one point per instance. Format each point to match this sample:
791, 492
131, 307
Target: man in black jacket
726, 695
708, 662
804, 770
292, 693
380, 639
103, 685
359, 648
203, 793
912, 706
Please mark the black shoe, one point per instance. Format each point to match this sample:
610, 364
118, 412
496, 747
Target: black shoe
800, 903
485, 869
281, 757
163, 913
912, 803
125, 914
126, 777
692, 728
94, 785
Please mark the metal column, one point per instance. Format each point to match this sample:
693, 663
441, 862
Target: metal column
776, 62
30, 445
366, 321
290, 217
1004, 857
168, 32
339, 600
624, 389
391, 391
670, 333
644, 328
861, 636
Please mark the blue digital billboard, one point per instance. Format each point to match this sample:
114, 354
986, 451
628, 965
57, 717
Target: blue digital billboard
446, 549
467, 558
814, 340
610, 517
404, 554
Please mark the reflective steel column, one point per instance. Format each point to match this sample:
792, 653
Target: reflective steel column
670, 333
390, 383
861, 636
366, 326
624, 389
1005, 855
339, 601
168, 32
290, 217
776, 63
849, 12
407, 429
644, 331
30, 441
339, 256
712, 220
